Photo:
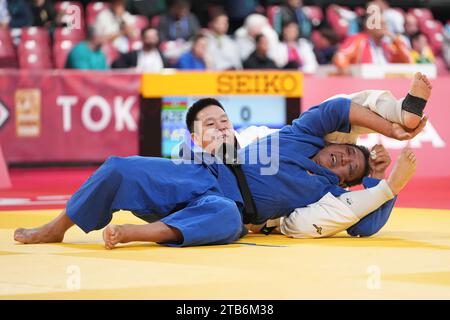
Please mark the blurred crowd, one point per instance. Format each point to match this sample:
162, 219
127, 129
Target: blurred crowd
150, 35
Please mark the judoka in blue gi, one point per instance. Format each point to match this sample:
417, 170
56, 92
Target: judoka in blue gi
189, 204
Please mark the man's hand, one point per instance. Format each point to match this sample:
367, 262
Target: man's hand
380, 162
400, 133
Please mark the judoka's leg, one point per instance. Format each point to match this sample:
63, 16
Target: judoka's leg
142, 185
397, 110
49, 233
387, 106
208, 220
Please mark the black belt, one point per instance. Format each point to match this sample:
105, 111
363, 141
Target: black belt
250, 213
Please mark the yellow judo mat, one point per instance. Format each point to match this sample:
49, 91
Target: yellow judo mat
408, 259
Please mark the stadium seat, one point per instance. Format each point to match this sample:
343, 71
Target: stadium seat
74, 35
93, 9
60, 52
69, 9
8, 56
314, 13
38, 34
339, 24
34, 55
154, 22
421, 13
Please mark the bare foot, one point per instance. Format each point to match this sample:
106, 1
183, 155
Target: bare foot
404, 169
113, 234
43, 234
51, 232
421, 88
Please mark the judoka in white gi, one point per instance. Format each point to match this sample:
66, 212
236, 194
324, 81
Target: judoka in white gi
361, 213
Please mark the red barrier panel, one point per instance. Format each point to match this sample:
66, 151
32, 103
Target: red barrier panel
431, 146
60, 116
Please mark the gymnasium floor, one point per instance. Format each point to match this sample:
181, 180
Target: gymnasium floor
408, 259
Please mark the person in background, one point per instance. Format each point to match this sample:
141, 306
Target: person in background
4, 14
196, 58
178, 23
221, 46
245, 36
295, 52
421, 51
87, 55
292, 11
44, 14
326, 45
411, 27
20, 13
395, 21
259, 59
373, 45
115, 24
148, 59
446, 45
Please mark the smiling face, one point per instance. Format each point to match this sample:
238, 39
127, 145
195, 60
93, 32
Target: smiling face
212, 128
346, 161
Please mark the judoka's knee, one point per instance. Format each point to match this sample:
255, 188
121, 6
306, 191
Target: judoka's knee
116, 165
229, 218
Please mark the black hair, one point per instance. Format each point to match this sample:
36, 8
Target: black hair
144, 31
258, 37
366, 154
198, 106
416, 36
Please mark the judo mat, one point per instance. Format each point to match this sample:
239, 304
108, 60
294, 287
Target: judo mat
408, 259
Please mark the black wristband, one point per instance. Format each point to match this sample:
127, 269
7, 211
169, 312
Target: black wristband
267, 230
414, 104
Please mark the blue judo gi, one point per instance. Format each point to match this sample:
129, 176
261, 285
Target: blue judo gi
203, 201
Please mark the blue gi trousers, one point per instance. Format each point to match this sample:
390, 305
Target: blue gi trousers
184, 196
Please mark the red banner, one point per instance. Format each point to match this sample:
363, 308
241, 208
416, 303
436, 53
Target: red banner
431, 145
60, 116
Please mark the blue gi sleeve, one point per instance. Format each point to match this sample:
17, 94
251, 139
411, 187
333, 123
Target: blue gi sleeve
374, 221
327, 117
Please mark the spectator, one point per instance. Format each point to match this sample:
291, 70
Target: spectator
115, 24
292, 11
196, 58
446, 45
4, 14
371, 46
148, 8
87, 55
221, 47
238, 11
148, 59
326, 45
395, 21
295, 52
259, 59
20, 14
350, 17
411, 27
44, 14
421, 51
178, 23
245, 36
